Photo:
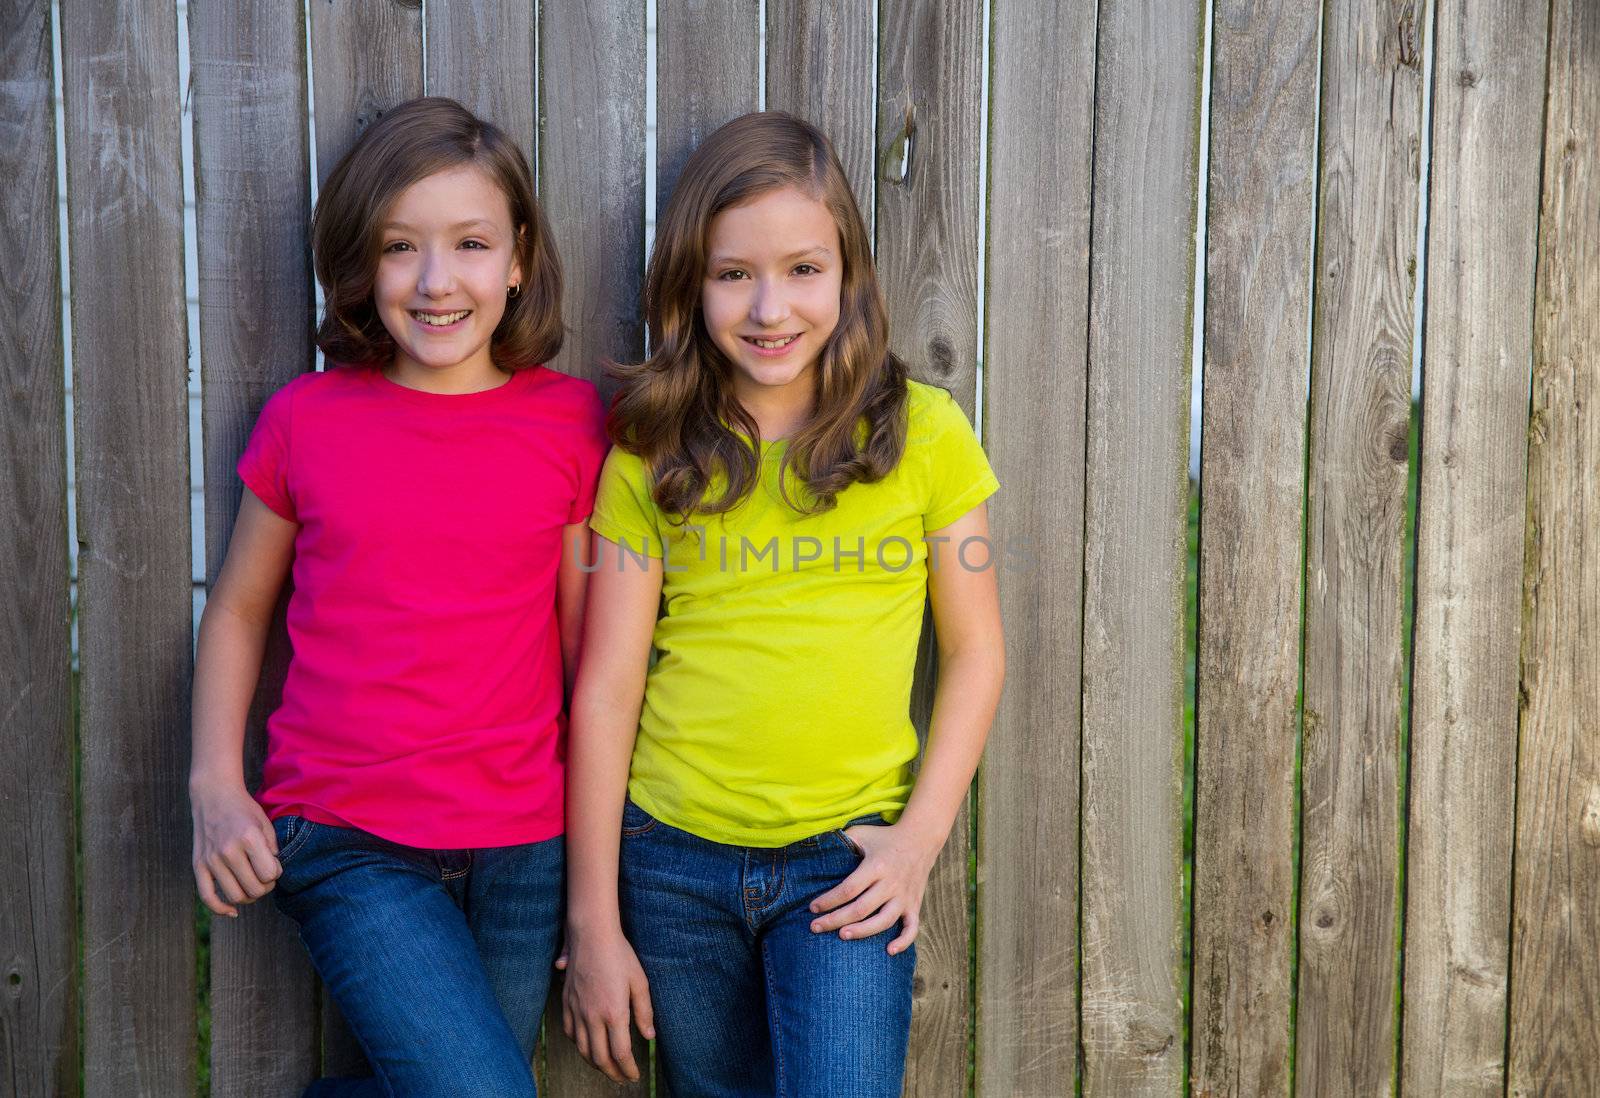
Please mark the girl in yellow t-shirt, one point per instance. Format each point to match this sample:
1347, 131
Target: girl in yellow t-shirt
747, 851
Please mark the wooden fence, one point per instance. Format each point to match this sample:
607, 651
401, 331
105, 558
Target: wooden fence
1396, 848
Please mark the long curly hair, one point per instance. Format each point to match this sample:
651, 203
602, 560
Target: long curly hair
409, 143
677, 409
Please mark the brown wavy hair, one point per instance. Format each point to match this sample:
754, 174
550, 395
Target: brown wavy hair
677, 410
409, 143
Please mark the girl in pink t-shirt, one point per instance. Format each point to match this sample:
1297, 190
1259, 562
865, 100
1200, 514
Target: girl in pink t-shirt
430, 496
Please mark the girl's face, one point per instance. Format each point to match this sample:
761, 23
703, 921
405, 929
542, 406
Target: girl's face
447, 259
770, 299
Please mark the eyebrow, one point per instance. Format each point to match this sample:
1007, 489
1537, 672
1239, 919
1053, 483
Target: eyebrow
819, 250
468, 224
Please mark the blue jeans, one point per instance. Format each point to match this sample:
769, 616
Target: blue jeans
439, 959
747, 1000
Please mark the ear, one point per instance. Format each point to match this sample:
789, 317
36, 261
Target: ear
517, 276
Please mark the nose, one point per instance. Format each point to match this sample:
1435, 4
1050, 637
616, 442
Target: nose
436, 276
769, 306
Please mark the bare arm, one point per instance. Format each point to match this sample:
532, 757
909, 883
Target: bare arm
572, 588
890, 882
604, 979
235, 852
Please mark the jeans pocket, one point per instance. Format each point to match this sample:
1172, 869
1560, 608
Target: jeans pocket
292, 832
635, 820
871, 819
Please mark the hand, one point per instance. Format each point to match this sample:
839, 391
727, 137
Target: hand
886, 888
235, 850
604, 979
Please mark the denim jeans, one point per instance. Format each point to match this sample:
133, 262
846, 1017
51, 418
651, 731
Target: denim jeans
747, 1000
439, 959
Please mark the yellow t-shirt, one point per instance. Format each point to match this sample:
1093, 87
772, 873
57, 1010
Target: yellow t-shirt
778, 706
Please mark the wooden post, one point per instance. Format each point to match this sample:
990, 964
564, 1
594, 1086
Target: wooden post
1035, 369
38, 906
131, 417
1555, 931
1262, 187
1356, 510
1488, 97
930, 70
1146, 149
252, 163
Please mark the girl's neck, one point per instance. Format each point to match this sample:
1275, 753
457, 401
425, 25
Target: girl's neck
778, 412
472, 375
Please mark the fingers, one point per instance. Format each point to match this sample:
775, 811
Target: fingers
263, 862
241, 872
644, 1015
622, 1051
868, 902
885, 917
208, 893
566, 1018
598, 1041
561, 960
908, 934
227, 884
842, 893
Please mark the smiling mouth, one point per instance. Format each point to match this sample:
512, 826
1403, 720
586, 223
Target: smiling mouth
771, 344
441, 320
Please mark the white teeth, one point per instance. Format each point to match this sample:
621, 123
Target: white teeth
441, 321
772, 344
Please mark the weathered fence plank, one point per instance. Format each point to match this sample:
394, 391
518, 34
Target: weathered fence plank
365, 59
931, 61
1261, 191
1147, 111
1040, 152
820, 59
708, 70
591, 183
252, 163
480, 53
1487, 105
1356, 507
125, 200
1555, 959
38, 907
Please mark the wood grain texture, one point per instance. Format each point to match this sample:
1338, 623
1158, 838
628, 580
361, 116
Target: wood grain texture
480, 53
1555, 958
591, 182
1356, 510
708, 70
930, 70
1040, 153
252, 162
1147, 113
38, 906
1258, 266
125, 212
366, 56
592, 173
1488, 99
820, 58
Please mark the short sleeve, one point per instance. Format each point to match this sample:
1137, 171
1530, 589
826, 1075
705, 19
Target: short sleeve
589, 452
623, 510
959, 476
264, 465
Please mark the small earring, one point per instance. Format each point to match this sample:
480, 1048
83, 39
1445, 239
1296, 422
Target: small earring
513, 290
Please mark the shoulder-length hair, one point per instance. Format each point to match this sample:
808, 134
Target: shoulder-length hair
407, 144
677, 409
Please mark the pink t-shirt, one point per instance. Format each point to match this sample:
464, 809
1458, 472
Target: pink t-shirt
424, 698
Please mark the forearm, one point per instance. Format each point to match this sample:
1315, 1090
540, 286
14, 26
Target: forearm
227, 666
964, 703
599, 747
